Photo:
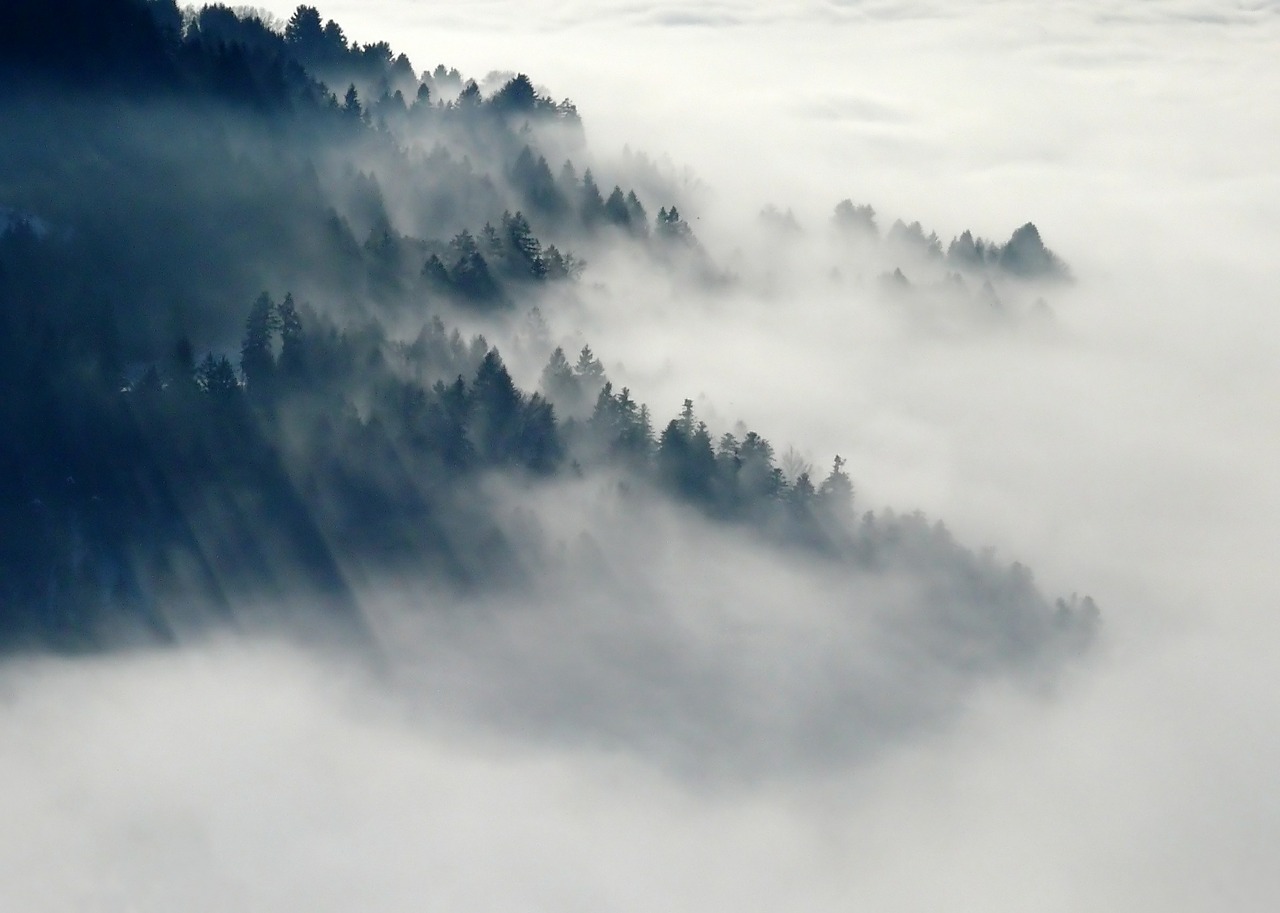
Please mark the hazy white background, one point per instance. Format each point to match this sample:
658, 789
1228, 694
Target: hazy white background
1128, 451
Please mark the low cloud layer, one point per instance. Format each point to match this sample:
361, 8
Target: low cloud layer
742, 734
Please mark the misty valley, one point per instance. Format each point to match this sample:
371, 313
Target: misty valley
294, 343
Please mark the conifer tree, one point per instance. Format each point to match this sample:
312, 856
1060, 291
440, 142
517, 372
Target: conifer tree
257, 358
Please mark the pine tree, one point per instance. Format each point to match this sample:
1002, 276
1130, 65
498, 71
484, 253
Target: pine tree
638, 218
495, 409
616, 210
435, 273
591, 203
291, 338
524, 245
257, 359
351, 103
217, 377
304, 31
589, 370
559, 384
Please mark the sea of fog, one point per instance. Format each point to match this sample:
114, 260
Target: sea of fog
1122, 446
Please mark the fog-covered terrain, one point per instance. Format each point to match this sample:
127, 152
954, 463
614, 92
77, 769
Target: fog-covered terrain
672, 477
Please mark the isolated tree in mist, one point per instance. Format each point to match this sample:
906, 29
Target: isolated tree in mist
257, 357
836, 491
533, 179
538, 444
561, 265
687, 418
1025, 255
526, 247
469, 99
616, 210
559, 382
590, 202
335, 39
463, 244
180, 367
966, 252
217, 377
912, 237
472, 278
495, 409
589, 370
855, 219
491, 242
470, 275
686, 461
434, 272
448, 419
671, 227
568, 183
639, 438
304, 29
351, 103
517, 96
800, 496
757, 477
292, 359
638, 218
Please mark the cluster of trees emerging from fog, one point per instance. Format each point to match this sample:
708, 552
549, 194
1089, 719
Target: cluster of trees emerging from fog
173, 434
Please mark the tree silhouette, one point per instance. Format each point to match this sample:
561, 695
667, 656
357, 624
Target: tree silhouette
257, 358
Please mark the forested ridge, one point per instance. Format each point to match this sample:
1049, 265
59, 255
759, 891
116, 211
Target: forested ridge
232, 260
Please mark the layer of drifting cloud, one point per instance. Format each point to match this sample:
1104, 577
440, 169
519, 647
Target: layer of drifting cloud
253, 778
1127, 452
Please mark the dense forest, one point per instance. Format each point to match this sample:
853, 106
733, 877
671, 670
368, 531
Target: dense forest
235, 264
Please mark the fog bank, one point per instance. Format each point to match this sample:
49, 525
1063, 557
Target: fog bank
688, 753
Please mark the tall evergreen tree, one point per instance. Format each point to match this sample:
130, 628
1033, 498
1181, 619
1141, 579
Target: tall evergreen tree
495, 410
559, 383
291, 338
590, 202
257, 357
616, 210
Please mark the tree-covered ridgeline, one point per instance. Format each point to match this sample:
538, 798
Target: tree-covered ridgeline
174, 436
